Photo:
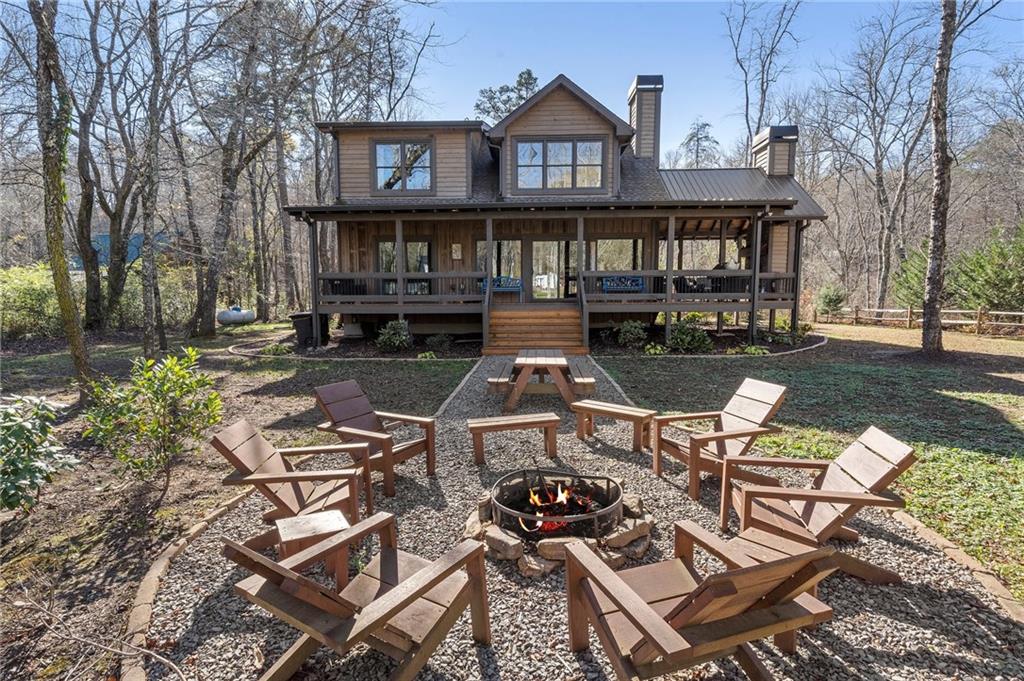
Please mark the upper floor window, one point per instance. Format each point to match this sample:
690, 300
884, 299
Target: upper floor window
559, 164
403, 166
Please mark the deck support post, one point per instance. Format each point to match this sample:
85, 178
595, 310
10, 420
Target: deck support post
755, 282
794, 315
489, 281
670, 263
720, 317
314, 279
581, 263
400, 266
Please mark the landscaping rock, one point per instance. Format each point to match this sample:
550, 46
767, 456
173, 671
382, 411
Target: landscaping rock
502, 545
483, 506
535, 566
638, 548
628, 530
553, 548
474, 527
632, 505
611, 558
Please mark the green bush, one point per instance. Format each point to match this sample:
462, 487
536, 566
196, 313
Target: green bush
156, 416
694, 317
28, 304
427, 355
991, 276
278, 349
689, 338
29, 453
830, 299
440, 342
747, 350
655, 349
631, 334
394, 337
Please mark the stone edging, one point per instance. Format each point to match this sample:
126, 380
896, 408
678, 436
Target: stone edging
983, 575
141, 614
823, 341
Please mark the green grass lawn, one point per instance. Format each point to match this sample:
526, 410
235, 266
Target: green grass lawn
964, 415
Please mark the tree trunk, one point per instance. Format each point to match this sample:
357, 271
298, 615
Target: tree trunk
54, 129
150, 188
290, 276
931, 325
259, 248
196, 245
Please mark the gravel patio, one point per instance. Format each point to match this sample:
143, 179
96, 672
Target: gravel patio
939, 624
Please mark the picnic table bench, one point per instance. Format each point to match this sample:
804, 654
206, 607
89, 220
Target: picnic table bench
548, 422
641, 419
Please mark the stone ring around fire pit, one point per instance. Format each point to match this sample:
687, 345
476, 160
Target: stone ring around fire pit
530, 515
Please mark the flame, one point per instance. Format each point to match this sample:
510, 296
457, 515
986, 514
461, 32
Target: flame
549, 503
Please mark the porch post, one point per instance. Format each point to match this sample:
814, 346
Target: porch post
794, 317
314, 280
489, 278
755, 274
581, 262
720, 317
670, 264
400, 266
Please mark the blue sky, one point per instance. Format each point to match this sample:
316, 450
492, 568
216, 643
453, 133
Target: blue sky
602, 46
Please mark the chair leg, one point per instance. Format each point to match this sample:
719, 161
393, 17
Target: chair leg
694, 470
388, 469
579, 638
478, 448
288, 664
431, 449
479, 610
656, 448
865, 570
845, 533
751, 664
638, 436
786, 641
581, 425
551, 442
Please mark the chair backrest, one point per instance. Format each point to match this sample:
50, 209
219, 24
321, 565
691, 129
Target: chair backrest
345, 404
870, 464
753, 405
249, 452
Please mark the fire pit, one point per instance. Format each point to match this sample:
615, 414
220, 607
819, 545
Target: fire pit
541, 503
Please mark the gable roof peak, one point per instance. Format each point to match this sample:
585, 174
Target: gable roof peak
622, 128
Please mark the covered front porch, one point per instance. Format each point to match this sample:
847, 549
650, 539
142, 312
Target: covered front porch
455, 271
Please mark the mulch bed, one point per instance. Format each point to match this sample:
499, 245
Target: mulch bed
604, 343
363, 348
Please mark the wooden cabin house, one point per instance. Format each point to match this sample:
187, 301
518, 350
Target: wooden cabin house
555, 221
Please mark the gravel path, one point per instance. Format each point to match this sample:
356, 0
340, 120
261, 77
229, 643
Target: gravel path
939, 624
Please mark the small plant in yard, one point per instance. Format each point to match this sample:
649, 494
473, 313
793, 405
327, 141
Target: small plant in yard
747, 350
427, 355
655, 349
688, 337
278, 349
631, 333
156, 415
394, 337
439, 342
830, 299
29, 453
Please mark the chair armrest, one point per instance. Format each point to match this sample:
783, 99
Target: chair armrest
292, 476
689, 533
377, 613
885, 500
718, 436
776, 462
656, 631
422, 421
695, 416
354, 447
379, 522
361, 434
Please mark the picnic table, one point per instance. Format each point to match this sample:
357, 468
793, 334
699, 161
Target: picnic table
544, 364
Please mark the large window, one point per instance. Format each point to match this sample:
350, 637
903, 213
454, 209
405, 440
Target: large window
403, 166
506, 258
616, 255
559, 164
417, 256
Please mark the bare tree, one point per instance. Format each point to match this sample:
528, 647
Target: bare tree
700, 148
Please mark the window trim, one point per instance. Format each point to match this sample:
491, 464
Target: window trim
402, 141
544, 189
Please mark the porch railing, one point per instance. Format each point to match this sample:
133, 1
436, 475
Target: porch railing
419, 287
650, 285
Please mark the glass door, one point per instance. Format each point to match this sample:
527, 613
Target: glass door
553, 270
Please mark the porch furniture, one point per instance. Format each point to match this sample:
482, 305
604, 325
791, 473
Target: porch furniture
548, 423
811, 516
641, 419
400, 604
292, 492
504, 284
737, 426
622, 284
543, 363
656, 619
351, 418
300, 532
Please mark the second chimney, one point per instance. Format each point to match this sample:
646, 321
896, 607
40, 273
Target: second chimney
773, 150
645, 115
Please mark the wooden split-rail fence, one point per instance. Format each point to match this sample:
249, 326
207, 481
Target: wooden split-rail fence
991, 322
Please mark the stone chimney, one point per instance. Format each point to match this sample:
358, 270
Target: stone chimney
645, 115
773, 150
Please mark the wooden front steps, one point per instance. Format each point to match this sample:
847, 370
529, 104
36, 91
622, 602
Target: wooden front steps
536, 325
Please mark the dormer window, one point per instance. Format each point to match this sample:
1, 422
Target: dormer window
404, 166
559, 164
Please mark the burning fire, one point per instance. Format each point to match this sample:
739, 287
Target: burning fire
561, 503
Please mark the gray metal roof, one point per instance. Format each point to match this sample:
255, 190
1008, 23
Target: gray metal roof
327, 126
740, 185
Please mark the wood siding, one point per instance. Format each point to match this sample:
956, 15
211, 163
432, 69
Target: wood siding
561, 113
778, 248
780, 159
450, 162
645, 121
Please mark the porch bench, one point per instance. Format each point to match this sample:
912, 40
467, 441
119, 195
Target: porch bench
583, 383
501, 383
642, 419
548, 422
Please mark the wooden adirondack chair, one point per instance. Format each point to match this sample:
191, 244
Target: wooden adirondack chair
659, 618
351, 418
400, 604
810, 516
737, 426
293, 493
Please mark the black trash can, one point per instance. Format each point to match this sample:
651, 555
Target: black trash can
302, 322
